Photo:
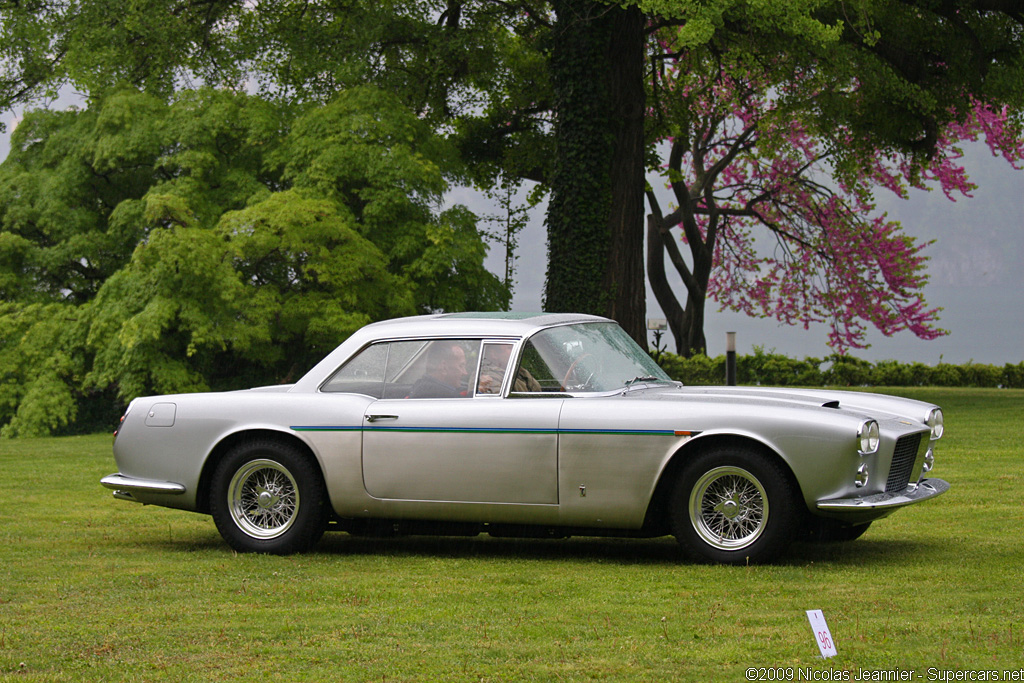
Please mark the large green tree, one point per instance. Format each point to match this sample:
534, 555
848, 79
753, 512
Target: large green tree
218, 240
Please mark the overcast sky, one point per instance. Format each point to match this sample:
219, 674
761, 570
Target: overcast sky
976, 267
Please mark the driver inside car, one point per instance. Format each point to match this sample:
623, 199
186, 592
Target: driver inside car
493, 368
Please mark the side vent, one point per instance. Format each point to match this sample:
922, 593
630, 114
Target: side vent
830, 404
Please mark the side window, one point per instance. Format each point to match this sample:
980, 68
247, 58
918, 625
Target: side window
493, 366
445, 368
364, 374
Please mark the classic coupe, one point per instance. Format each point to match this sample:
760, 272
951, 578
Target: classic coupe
536, 425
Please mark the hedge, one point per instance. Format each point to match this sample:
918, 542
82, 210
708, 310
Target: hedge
773, 369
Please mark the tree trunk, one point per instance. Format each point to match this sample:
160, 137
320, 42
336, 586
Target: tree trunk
695, 340
624, 277
685, 322
674, 313
595, 213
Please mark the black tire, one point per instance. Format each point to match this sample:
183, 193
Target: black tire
823, 530
268, 497
734, 506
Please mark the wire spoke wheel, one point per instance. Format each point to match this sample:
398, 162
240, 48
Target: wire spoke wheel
268, 496
728, 508
734, 506
263, 499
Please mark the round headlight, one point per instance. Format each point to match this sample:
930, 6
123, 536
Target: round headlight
869, 436
935, 422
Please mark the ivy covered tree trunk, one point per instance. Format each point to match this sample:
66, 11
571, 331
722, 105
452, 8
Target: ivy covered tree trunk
595, 214
624, 275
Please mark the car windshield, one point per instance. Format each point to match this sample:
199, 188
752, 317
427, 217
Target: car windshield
589, 357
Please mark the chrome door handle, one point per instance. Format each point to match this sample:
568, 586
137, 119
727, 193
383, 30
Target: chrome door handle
374, 418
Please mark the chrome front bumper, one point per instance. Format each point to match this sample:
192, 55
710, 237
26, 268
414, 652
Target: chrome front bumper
124, 486
914, 493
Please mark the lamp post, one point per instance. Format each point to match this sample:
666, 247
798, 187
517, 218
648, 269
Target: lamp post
730, 359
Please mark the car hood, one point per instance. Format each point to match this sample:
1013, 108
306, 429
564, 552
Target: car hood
877, 406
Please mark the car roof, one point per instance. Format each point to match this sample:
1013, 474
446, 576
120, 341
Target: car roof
476, 324
471, 324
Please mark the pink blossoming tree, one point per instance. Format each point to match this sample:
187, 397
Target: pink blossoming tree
779, 219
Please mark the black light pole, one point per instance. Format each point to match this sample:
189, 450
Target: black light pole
730, 359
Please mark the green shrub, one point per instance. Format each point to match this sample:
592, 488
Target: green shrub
696, 370
920, 375
775, 369
848, 371
947, 375
980, 375
1013, 376
891, 373
764, 368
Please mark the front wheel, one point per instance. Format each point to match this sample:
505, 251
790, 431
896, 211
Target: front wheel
268, 497
733, 506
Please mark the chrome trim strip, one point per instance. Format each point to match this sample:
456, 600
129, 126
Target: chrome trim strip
123, 484
915, 493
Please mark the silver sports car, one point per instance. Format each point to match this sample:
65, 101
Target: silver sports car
540, 425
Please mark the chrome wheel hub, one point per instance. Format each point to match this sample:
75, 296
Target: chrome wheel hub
729, 508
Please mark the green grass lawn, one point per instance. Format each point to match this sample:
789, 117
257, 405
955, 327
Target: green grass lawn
93, 588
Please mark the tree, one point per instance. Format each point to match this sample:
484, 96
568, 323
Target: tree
741, 160
510, 81
892, 75
508, 224
217, 242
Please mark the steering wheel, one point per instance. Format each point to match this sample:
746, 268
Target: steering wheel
572, 371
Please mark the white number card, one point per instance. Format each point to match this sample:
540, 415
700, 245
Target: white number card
822, 635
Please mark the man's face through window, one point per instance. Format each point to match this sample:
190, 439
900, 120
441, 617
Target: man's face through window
452, 370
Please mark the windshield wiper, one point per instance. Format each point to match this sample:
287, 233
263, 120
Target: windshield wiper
640, 378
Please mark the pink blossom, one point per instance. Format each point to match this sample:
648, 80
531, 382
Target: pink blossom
793, 238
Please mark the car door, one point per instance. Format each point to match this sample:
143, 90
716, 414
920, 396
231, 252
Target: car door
484, 448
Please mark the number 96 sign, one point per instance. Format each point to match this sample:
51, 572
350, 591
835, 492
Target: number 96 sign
821, 633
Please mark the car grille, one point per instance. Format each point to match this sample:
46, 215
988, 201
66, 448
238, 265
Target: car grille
902, 463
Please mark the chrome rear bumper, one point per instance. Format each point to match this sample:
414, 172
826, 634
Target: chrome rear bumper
124, 487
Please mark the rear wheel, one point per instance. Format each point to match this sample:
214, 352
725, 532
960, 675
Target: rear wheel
268, 497
733, 506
